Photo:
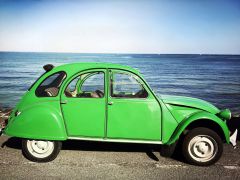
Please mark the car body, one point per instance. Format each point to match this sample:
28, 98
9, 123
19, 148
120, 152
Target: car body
113, 103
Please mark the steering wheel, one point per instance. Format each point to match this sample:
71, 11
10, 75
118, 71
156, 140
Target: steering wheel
99, 93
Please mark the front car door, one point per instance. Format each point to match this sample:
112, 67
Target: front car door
83, 104
133, 111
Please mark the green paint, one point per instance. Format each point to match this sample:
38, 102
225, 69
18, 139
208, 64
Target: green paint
151, 119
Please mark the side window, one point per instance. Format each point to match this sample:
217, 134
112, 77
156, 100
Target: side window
51, 85
73, 85
126, 86
88, 85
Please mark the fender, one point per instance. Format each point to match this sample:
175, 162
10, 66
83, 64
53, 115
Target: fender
39, 121
198, 116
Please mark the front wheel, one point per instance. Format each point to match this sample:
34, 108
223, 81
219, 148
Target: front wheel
39, 150
202, 147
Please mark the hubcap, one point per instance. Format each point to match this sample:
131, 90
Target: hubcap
202, 148
40, 149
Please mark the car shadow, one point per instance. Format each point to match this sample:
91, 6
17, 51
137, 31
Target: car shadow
112, 147
12, 142
150, 150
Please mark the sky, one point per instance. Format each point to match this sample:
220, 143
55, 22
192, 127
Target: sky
126, 26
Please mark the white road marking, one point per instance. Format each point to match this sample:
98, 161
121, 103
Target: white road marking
232, 167
170, 166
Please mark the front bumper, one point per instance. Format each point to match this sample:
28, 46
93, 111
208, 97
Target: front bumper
234, 126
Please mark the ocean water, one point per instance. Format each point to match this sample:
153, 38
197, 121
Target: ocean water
214, 78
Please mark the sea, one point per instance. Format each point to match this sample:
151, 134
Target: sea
214, 78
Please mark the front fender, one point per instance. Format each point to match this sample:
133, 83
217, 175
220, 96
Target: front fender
39, 121
202, 115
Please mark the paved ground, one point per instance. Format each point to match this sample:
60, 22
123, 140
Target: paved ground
91, 160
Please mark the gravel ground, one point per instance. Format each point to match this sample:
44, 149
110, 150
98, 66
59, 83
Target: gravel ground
93, 160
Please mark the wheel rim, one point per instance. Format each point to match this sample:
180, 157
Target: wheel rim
40, 149
202, 148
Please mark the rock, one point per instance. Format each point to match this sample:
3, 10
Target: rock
4, 114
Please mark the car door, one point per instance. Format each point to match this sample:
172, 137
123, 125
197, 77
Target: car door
133, 111
83, 104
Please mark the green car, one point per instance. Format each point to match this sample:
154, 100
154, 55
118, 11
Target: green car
113, 103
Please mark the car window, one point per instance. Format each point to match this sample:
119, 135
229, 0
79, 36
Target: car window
51, 85
73, 84
126, 86
88, 85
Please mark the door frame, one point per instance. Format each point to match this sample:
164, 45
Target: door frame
65, 85
150, 96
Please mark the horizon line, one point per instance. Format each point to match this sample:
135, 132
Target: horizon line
119, 53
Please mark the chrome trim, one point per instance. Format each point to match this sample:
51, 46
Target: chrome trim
116, 140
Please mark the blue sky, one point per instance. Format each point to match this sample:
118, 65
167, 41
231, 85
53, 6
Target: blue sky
127, 26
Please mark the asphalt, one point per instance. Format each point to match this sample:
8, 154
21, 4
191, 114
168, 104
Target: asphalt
93, 160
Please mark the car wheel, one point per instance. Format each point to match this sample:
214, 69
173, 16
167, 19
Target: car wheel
202, 147
39, 150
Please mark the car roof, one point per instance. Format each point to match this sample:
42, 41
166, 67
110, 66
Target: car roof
73, 68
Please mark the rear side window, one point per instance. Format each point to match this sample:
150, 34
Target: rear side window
51, 85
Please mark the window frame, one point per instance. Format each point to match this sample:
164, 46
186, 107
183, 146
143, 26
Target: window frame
61, 84
33, 84
91, 73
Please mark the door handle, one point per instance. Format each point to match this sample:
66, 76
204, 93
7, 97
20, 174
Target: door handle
63, 102
110, 103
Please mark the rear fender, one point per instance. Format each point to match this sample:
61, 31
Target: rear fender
39, 121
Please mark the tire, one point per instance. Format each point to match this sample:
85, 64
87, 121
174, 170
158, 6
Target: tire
202, 147
40, 151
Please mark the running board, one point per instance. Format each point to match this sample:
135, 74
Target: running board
116, 140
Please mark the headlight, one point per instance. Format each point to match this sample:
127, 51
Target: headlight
225, 114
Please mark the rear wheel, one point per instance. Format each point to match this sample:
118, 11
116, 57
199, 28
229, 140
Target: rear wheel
40, 151
202, 147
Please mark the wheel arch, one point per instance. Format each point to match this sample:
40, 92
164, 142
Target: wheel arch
201, 119
40, 121
207, 124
